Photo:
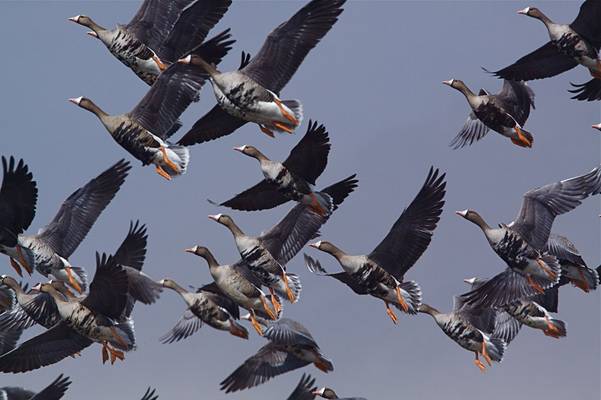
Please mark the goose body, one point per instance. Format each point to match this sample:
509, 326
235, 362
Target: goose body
535, 316
55, 391
573, 266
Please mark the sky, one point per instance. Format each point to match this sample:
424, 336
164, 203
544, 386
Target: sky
375, 82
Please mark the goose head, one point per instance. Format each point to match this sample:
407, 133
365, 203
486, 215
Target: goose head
458, 84
87, 104
203, 252
86, 21
251, 151
597, 127
63, 289
8, 281
470, 281
427, 309
473, 217
325, 393
227, 221
327, 247
169, 284
50, 289
534, 12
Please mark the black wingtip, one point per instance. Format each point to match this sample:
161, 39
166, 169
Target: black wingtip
341, 190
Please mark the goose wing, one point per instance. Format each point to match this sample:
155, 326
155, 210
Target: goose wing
55, 391
304, 390
587, 24
108, 290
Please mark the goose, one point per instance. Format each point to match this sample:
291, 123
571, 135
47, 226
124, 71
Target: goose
304, 390
55, 391
159, 34
49, 250
206, 305
150, 395
597, 127
521, 244
505, 113
9, 336
569, 45
327, 393
145, 130
291, 346
240, 285
291, 179
573, 266
18, 199
533, 312
471, 329
266, 255
95, 318
251, 94
381, 273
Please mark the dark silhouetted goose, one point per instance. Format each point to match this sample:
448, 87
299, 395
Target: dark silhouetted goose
328, 393
267, 255
504, 113
159, 34
570, 45
251, 94
92, 319
206, 305
144, 131
469, 330
55, 391
521, 244
573, 266
150, 395
18, 198
290, 347
381, 273
49, 250
240, 285
304, 390
291, 179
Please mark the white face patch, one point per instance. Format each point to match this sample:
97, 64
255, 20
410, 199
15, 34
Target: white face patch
76, 100
462, 213
525, 11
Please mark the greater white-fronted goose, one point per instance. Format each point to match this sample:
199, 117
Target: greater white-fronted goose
505, 112
55, 391
150, 394
304, 390
381, 273
251, 94
570, 45
267, 255
521, 244
9, 335
292, 179
144, 131
471, 329
49, 250
573, 266
18, 199
206, 305
327, 393
96, 318
159, 34
597, 127
290, 347
240, 285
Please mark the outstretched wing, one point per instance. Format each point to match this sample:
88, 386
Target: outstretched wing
309, 157
108, 290
412, 232
587, 23
55, 391
304, 390
262, 196
472, 131
188, 325
132, 251
213, 125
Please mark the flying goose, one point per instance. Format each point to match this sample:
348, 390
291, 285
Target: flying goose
9, 336
150, 395
521, 244
251, 94
291, 346
505, 112
381, 273
95, 318
471, 329
49, 250
569, 45
573, 266
238, 283
327, 393
292, 179
144, 131
598, 127
18, 199
206, 305
159, 34
55, 391
266, 255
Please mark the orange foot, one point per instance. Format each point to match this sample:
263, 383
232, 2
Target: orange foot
24, 262
256, 324
285, 113
109, 352
16, 267
267, 308
266, 131
391, 314
168, 161
551, 330
582, 282
283, 127
72, 281
485, 354
479, 364
401, 300
546, 268
534, 285
291, 296
162, 172
274, 300
521, 141
159, 63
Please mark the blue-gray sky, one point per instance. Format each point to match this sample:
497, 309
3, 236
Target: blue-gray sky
375, 82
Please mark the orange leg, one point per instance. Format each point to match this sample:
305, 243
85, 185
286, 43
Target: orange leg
485, 354
159, 63
162, 172
16, 267
401, 300
24, 262
266, 131
267, 308
255, 323
546, 268
551, 330
72, 281
535, 285
285, 113
289, 293
274, 300
521, 140
391, 313
105, 353
283, 127
479, 364
168, 161
315, 206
